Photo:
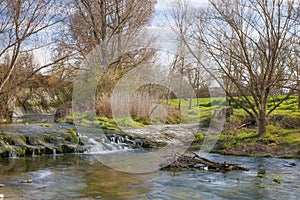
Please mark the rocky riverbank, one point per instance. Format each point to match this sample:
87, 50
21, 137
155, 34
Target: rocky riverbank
19, 140
37, 139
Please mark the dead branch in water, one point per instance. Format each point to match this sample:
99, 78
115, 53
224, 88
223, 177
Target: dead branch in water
198, 162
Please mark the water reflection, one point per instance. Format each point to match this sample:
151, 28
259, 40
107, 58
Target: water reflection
83, 177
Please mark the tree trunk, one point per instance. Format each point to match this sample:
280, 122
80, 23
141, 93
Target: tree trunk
298, 99
262, 123
191, 102
6, 109
299, 93
298, 76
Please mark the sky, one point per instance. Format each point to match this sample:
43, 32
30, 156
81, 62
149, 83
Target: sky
166, 39
158, 28
163, 6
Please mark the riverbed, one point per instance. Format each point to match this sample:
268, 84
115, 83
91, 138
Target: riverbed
82, 176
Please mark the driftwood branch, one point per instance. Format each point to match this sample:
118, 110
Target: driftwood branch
198, 162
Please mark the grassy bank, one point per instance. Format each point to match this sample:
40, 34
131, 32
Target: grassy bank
278, 142
240, 136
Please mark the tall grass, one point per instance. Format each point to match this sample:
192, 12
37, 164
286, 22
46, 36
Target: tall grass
144, 108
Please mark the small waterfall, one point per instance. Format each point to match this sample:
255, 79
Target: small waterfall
54, 152
12, 154
33, 152
106, 145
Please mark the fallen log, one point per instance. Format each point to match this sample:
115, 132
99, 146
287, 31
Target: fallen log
198, 162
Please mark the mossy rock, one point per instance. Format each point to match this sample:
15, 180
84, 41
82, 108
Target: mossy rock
277, 180
39, 144
70, 138
73, 132
69, 149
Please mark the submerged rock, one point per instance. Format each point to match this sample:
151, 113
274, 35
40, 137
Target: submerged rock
27, 181
261, 173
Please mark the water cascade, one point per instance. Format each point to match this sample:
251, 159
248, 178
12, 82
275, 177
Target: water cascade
104, 144
12, 155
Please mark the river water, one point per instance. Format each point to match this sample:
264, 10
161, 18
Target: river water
82, 176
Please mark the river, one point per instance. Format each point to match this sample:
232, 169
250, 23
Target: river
82, 176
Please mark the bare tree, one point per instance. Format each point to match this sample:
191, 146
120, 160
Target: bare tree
110, 25
24, 24
297, 68
108, 38
23, 66
178, 19
298, 75
251, 43
112, 33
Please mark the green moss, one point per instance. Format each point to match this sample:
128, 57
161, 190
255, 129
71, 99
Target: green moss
50, 138
128, 122
107, 123
22, 152
73, 132
8, 140
25, 139
195, 147
269, 155
218, 151
199, 137
277, 180
142, 120
45, 125
261, 175
39, 152
104, 119
71, 137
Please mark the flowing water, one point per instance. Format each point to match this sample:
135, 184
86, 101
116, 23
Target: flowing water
82, 176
